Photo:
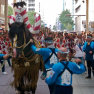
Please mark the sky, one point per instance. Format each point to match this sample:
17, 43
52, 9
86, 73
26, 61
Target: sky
51, 8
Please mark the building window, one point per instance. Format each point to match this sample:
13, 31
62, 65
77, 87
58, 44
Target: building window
65, 3
31, 5
25, 0
31, 9
78, 9
31, 1
76, 1
2, 9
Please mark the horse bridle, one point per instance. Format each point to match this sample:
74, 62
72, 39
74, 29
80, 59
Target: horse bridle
24, 46
16, 41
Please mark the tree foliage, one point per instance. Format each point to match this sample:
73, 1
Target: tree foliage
42, 23
65, 20
10, 11
69, 27
62, 27
54, 27
31, 17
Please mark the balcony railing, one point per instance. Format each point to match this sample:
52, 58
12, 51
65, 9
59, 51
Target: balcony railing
31, 9
31, 1
31, 5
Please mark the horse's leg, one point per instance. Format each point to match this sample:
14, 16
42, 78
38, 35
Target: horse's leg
34, 89
21, 90
20, 87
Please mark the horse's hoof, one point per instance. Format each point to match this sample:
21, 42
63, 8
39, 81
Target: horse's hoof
17, 92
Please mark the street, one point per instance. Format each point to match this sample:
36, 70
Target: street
80, 84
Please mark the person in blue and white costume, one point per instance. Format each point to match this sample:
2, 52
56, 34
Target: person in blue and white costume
49, 55
61, 73
2, 57
88, 48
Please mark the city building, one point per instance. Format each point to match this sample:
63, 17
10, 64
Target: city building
69, 4
30, 5
64, 4
4, 14
80, 19
58, 24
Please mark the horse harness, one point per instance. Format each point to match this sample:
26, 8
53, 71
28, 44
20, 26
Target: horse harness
23, 58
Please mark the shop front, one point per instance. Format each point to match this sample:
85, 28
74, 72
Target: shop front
4, 14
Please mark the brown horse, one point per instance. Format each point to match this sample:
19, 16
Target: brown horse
25, 63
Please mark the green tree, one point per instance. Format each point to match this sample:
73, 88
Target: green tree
10, 11
31, 17
69, 27
62, 27
54, 27
65, 20
42, 23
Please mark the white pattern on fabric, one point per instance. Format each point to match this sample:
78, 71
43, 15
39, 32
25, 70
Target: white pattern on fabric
78, 66
18, 18
52, 73
53, 59
66, 77
37, 49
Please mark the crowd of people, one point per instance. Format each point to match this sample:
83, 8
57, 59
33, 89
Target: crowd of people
69, 45
5, 48
58, 50
68, 40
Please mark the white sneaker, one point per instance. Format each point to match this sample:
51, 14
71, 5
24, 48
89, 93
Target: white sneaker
5, 73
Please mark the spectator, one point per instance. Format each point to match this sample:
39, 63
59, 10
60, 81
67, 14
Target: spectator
88, 48
2, 57
79, 51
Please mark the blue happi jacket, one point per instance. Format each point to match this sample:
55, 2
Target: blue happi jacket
65, 79
1, 56
87, 49
46, 52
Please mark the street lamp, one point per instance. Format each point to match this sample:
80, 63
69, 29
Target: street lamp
14, 1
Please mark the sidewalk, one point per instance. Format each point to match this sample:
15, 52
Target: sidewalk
80, 84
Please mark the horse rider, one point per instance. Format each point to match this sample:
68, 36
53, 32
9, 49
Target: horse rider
49, 55
61, 73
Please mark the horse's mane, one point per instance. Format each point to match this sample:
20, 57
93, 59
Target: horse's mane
19, 28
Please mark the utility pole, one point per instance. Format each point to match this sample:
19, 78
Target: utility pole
6, 15
87, 15
14, 1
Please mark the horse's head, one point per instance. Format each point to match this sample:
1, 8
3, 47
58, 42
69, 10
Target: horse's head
19, 36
